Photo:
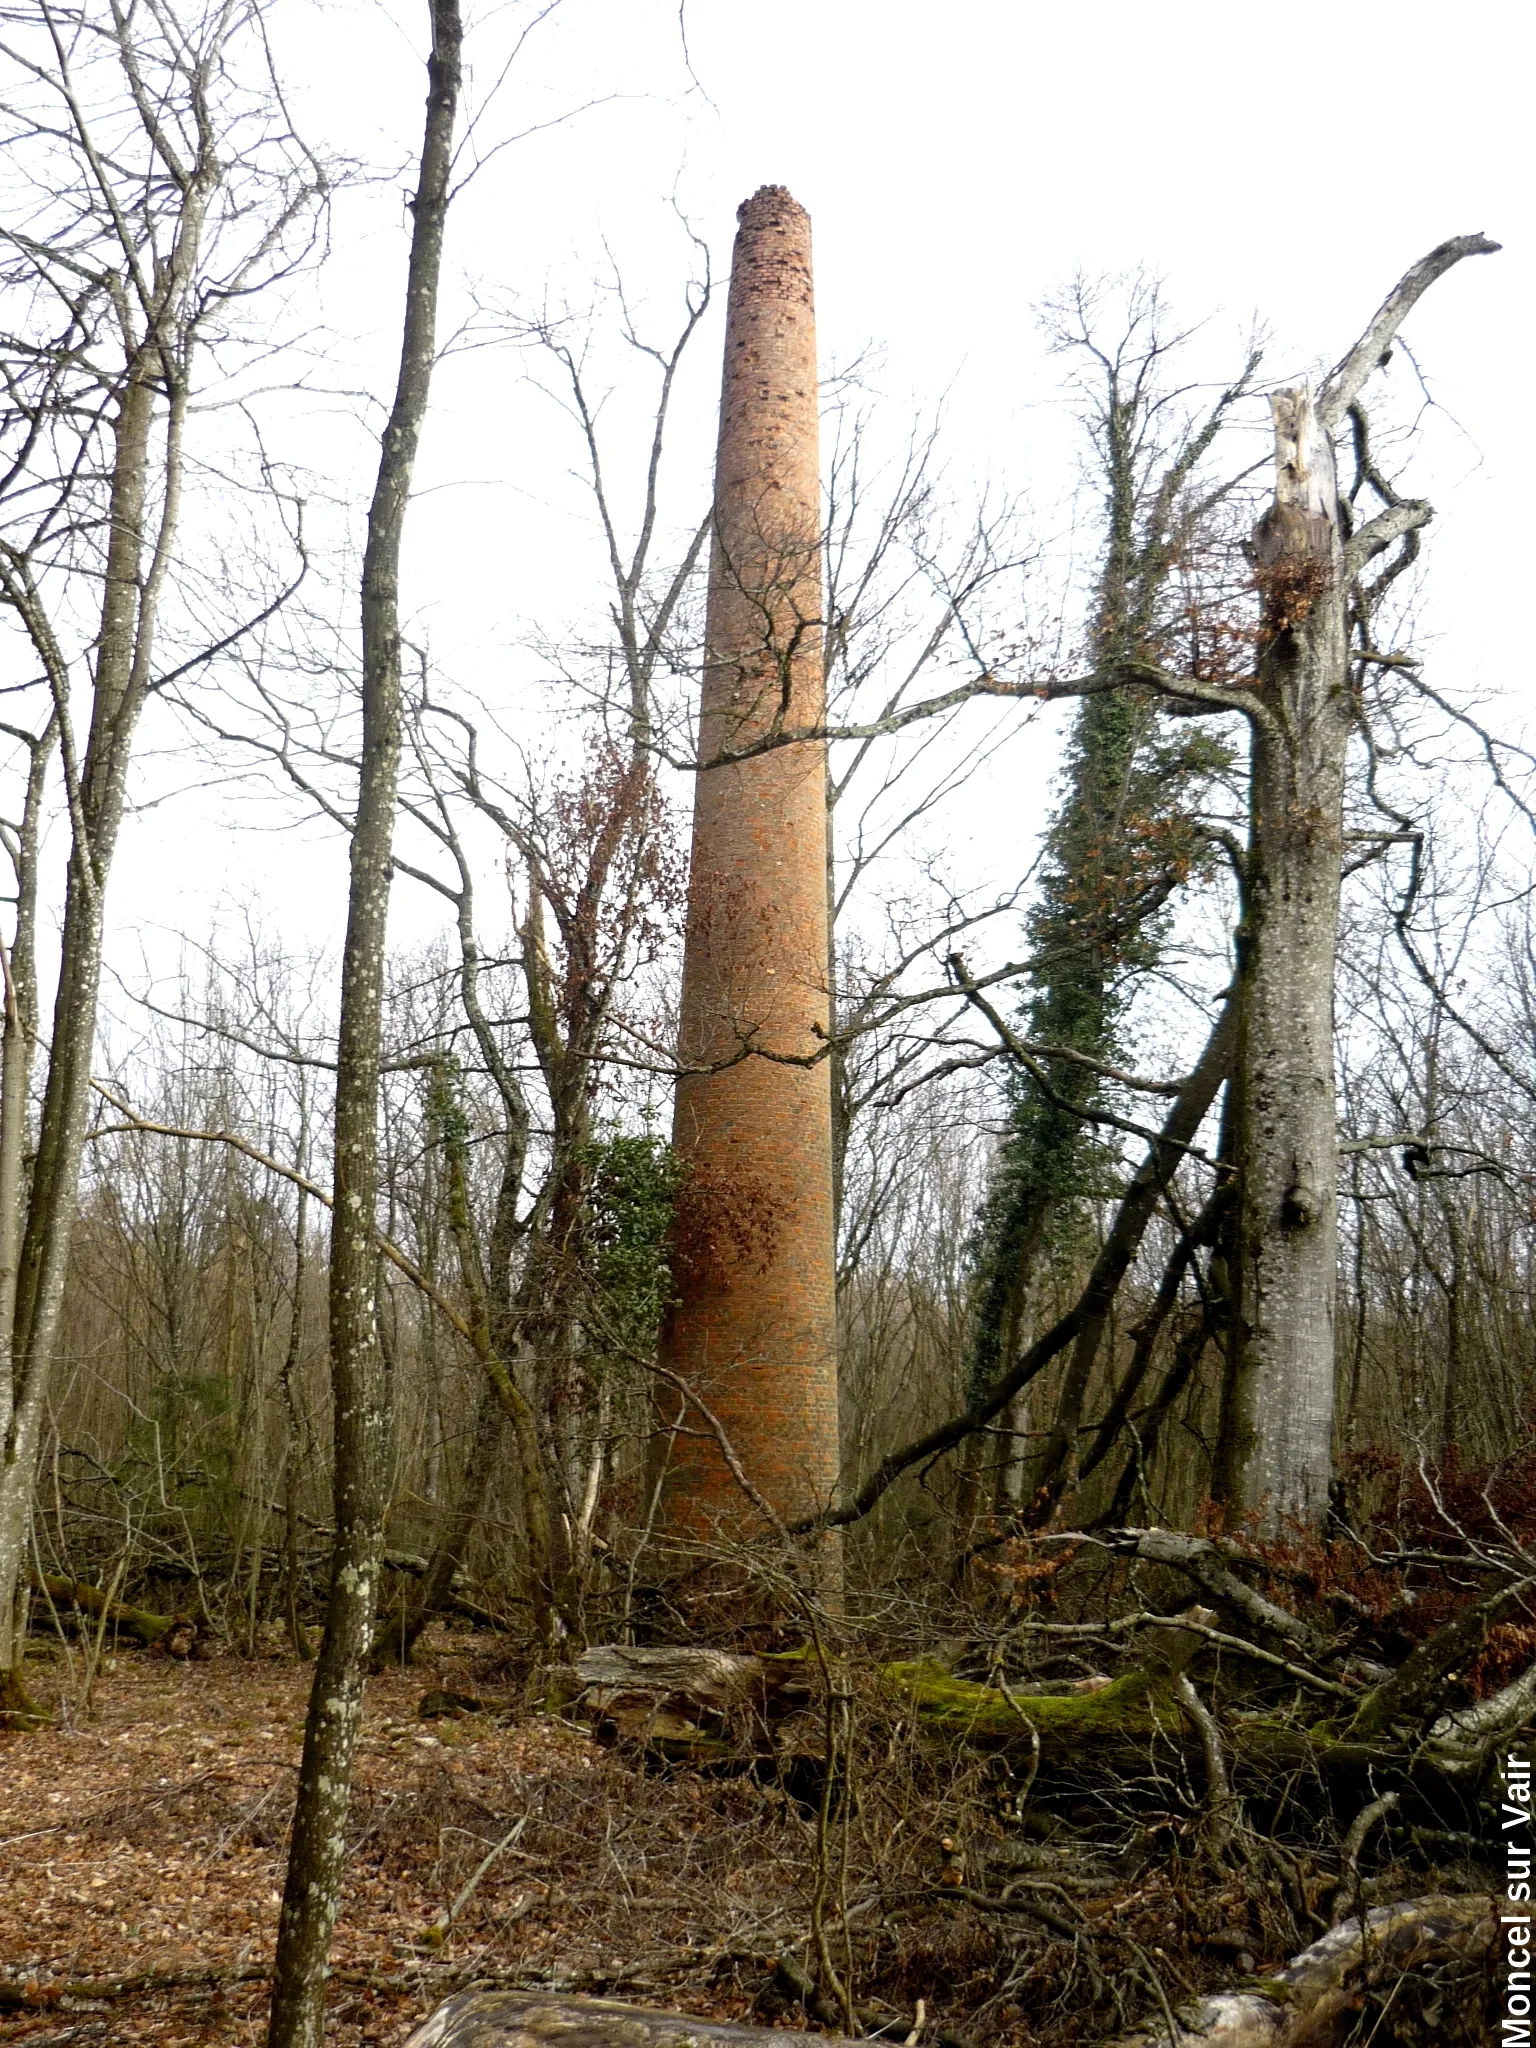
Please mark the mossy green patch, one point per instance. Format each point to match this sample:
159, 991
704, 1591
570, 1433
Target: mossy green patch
1133, 1706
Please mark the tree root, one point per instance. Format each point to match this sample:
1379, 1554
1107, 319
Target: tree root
19, 1712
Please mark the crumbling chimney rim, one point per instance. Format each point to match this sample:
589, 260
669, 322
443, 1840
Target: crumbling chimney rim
766, 200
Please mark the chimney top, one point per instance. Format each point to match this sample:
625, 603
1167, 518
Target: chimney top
767, 201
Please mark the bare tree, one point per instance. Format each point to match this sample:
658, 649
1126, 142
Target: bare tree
1274, 1451
1311, 560
361, 1385
163, 189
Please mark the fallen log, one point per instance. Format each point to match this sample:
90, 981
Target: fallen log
676, 1688
1501, 1715
1140, 1704
1108, 1730
536, 2019
1426, 1961
695, 1705
681, 1701
1410, 1693
74, 1596
1129, 1709
717, 1679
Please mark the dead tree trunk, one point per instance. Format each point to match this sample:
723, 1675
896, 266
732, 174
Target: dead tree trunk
1276, 1441
1335, 1990
1280, 1440
522, 2019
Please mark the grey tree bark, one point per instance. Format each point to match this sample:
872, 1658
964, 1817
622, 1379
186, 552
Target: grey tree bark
123, 275
1280, 1438
1275, 1453
20, 1030
360, 1383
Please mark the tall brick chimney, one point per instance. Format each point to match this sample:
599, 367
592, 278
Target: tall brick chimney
753, 1330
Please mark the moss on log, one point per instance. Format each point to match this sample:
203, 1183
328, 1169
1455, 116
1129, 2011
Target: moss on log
1104, 1727
1131, 1708
692, 1705
74, 1596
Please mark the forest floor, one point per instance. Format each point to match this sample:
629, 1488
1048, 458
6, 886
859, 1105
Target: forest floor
141, 1863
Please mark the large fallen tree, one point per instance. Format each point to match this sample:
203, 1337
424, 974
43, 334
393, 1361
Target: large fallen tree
1351, 1726
1425, 1959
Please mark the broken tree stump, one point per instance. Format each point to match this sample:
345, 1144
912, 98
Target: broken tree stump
679, 1693
543, 2019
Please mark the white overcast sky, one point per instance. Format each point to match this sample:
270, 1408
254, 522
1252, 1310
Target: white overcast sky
959, 162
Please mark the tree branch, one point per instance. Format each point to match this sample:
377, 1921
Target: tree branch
1345, 383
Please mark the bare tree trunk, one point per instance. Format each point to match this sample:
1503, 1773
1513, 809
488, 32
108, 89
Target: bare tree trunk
456, 1529
15, 1078
361, 1387
297, 1639
1274, 1457
97, 791
1276, 1454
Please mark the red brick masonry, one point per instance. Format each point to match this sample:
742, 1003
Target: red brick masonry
754, 1329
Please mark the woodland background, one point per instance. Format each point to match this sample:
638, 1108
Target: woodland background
177, 387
